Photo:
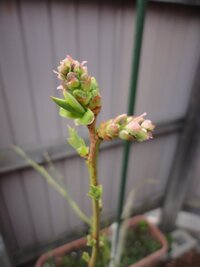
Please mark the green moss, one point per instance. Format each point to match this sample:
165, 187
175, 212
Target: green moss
138, 245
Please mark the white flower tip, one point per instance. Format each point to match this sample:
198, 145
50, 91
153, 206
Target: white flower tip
143, 114
83, 63
60, 87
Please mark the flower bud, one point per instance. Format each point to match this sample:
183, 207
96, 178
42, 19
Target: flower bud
71, 75
140, 118
125, 135
142, 135
112, 130
127, 128
95, 102
73, 83
148, 125
83, 87
82, 97
94, 83
77, 68
84, 77
102, 131
121, 119
86, 85
133, 127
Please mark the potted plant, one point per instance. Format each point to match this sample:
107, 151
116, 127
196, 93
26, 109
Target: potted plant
81, 102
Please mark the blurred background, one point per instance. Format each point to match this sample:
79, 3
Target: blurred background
35, 36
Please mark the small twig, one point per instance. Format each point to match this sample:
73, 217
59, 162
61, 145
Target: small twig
63, 192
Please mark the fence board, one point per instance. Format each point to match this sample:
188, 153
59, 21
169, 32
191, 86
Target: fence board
35, 36
36, 189
15, 88
64, 34
151, 161
170, 37
35, 27
17, 209
6, 131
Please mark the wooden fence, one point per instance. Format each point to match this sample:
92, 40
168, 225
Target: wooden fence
35, 35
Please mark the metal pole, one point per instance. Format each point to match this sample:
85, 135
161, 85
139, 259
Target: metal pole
184, 160
140, 17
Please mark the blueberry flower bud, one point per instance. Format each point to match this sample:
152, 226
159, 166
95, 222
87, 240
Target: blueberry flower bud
121, 119
125, 135
133, 127
142, 135
82, 97
86, 84
81, 86
127, 128
73, 83
148, 125
112, 130
84, 77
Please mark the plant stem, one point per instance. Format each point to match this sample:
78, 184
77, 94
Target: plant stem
92, 168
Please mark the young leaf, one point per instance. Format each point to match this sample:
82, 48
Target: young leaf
63, 104
90, 241
87, 118
70, 100
85, 256
96, 191
66, 114
77, 142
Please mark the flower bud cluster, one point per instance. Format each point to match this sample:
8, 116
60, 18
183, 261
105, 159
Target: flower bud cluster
76, 80
127, 128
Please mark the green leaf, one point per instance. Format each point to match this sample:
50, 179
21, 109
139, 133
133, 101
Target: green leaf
85, 256
66, 114
96, 191
77, 142
83, 151
87, 118
71, 100
90, 241
63, 104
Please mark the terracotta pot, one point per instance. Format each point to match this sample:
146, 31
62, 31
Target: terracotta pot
153, 259
148, 261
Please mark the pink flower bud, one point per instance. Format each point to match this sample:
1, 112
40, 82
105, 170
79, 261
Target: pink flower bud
84, 77
140, 118
121, 119
73, 83
133, 127
148, 125
71, 76
83, 63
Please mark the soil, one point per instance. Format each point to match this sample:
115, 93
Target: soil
138, 245
190, 259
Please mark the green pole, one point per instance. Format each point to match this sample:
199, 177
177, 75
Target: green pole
140, 17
